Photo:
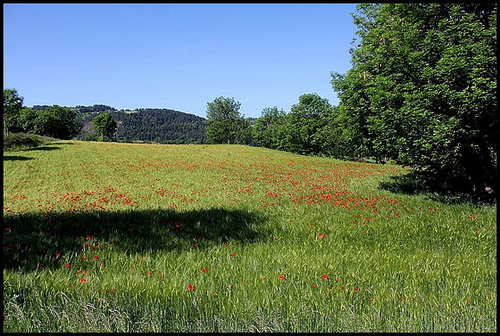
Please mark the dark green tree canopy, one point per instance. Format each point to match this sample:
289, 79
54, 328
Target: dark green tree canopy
12, 105
53, 121
422, 90
266, 130
304, 124
225, 124
104, 126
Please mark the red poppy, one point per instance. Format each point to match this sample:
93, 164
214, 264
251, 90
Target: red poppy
325, 276
203, 270
232, 254
190, 287
68, 265
96, 257
313, 286
82, 280
282, 277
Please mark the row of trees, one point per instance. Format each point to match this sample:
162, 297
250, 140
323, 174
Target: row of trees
53, 121
308, 129
422, 91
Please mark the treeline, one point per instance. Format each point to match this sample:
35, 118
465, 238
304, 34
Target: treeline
140, 125
422, 91
52, 121
150, 125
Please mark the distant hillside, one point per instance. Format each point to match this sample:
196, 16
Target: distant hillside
151, 125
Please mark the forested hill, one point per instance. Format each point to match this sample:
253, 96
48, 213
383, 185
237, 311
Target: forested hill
146, 124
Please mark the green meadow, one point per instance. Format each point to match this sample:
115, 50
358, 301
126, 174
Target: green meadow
109, 237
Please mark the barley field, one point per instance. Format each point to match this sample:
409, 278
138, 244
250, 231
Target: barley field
109, 237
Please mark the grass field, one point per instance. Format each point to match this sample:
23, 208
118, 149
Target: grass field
107, 237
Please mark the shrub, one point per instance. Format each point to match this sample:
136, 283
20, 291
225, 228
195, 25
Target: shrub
16, 141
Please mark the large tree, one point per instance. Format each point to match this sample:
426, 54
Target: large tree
422, 90
12, 105
304, 125
225, 124
266, 129
104, 126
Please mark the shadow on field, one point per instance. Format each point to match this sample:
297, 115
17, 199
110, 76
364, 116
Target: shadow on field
433, 188
31, 239
16, 158
43, 148
60, 143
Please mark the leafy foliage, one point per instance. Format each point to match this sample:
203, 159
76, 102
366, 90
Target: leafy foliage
422, 90
12, 105
15, 141
266, 129
225, 124
304, 125
104, 126
52, 121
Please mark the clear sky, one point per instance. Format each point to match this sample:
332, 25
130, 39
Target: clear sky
175, 56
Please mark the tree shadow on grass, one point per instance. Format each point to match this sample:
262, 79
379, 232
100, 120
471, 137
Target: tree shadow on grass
33, 239
60, 143
42, 148
16, 158
414, 183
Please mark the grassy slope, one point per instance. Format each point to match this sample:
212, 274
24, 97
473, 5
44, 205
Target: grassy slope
288, 243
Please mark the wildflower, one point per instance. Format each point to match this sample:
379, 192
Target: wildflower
190, 287
356, 289
68, 265
149, 272
82, 280
204, 270
325, 276
232, 254
96, 257
282, 277
313, 286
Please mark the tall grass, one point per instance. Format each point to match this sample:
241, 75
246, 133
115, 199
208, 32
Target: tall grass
107, 237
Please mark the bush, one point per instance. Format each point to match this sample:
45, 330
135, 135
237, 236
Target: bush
16, 141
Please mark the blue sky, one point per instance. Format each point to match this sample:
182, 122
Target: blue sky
177, 56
